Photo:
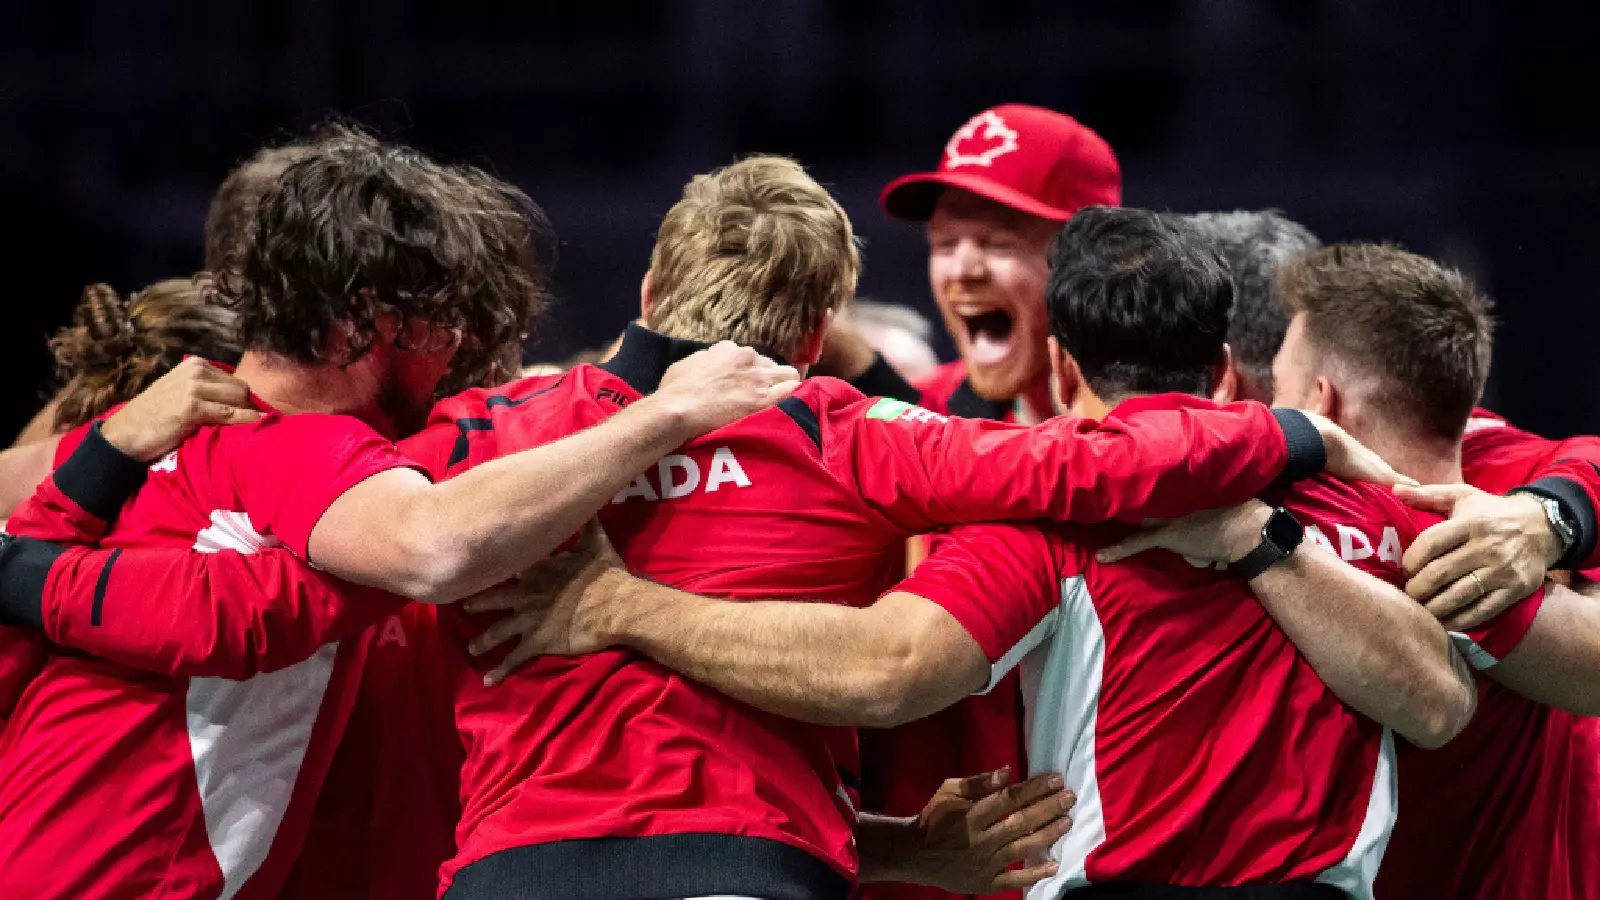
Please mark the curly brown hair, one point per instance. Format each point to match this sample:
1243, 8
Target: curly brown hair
115, 348
359, 228
233, 208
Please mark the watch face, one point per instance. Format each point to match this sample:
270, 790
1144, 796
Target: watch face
1284, 530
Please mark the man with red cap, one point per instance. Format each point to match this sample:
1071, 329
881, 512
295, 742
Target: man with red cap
1006, 182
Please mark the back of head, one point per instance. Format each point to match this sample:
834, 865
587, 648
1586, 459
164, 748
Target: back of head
232, 216
1140, 300
1255, 244
115, 348
357, 228
1412, 335
756, 253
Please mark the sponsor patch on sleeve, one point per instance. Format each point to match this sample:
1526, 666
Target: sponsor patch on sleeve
889, 410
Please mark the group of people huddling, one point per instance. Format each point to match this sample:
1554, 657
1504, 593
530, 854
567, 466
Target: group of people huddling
1200, 575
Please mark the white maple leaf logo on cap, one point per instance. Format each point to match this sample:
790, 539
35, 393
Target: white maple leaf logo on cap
970, 147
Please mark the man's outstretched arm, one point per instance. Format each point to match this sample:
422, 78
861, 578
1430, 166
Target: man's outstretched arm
1375, 648
441, 542
923, 471
902, 658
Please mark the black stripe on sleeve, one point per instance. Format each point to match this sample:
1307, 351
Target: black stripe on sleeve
100, 587
1307, 454
99, 477
24, 568
1576, 507
881, 380
804, 416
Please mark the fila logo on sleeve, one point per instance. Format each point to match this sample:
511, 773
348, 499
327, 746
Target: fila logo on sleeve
679, 476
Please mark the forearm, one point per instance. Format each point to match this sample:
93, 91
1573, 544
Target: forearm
495, 520
1378, 650
816, 662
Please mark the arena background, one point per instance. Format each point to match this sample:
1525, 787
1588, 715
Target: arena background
1467, 130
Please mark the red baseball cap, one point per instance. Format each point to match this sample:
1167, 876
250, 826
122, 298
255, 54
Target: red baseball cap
1033, 159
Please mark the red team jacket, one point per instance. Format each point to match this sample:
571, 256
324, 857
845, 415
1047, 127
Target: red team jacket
1172, 703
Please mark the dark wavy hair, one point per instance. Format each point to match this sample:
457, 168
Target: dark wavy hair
116, 347
233, 207
358, 228
1140, 299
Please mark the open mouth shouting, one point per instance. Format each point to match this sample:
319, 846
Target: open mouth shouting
989, 333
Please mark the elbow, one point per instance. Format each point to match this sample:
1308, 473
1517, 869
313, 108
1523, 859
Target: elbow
895, 689
1442, 713
887, 691
431, 567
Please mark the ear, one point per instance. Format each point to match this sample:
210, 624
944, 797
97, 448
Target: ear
646, 301
1065, 377
1225, 378
812, 351
1325, 399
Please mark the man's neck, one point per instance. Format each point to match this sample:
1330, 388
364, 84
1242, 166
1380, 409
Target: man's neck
291, 387
1428, 460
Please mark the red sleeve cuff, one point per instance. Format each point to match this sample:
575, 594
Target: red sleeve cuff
1486, 645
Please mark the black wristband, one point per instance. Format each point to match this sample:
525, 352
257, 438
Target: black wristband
881, 380
24, 568
1307, 454
99, 477
1576, 508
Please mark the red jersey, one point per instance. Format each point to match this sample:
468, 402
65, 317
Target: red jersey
124, 783
901, 767
1510, 809
385, 819
611, 772
1229, 762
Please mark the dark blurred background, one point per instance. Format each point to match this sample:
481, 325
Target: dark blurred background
1467, 130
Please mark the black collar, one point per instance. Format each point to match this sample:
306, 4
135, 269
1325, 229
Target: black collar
969, 404
644, 356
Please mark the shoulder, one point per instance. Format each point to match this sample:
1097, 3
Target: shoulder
1324, 496
824, 391
481, 402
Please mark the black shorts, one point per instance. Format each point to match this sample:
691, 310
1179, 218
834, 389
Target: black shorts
1123, 891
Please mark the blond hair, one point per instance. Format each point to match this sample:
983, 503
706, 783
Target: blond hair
757, 253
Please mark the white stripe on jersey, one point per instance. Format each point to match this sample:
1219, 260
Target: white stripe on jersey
249, 738
1354, 873
1061, 690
